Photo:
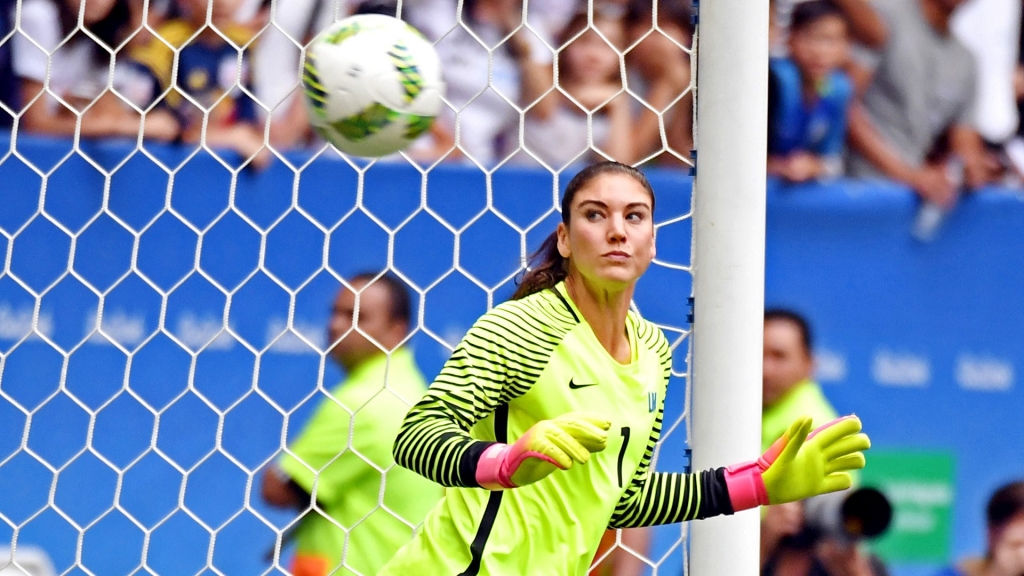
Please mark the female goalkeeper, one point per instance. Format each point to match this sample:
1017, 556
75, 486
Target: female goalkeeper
544, 420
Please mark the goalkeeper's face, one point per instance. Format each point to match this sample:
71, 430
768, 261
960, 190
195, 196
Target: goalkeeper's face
609, 240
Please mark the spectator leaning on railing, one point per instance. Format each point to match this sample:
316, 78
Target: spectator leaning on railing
922, 91
75, 74
208, 79
990, 30
809, 95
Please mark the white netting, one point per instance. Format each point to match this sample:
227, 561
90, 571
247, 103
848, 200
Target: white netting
163, 306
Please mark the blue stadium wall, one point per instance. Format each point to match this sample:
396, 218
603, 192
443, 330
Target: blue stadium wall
922, 340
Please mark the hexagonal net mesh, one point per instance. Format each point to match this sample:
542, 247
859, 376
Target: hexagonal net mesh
165, 291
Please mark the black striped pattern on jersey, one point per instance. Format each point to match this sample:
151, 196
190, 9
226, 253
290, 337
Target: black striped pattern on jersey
499, 359
654, 498
654, 339
667, 498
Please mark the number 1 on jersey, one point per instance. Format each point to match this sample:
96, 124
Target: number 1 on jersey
622, 451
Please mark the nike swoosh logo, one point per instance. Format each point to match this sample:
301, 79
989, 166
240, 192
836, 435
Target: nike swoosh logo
575, 386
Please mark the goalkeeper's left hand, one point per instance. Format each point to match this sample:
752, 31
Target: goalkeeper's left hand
547, 446
798, 465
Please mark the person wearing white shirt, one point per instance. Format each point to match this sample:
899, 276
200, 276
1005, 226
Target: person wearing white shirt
60, 80
489, 80
990, 29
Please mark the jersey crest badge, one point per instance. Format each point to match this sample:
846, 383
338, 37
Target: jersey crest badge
652, 401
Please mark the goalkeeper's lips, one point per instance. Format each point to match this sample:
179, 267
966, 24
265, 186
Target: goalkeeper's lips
616, 256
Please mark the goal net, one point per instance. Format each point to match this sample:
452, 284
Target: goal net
164, 299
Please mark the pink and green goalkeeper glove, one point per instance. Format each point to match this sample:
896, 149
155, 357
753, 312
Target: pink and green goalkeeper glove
799, 465
547, 446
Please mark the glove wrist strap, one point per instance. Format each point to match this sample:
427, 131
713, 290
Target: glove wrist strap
492, 468
746, 486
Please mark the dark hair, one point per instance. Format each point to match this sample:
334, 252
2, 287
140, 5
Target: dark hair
108, 30
806, 13
401, 305
784, 315
1006, 503
546, 266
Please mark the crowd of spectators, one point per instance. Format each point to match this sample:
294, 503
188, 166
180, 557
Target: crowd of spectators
226, 73
925, 92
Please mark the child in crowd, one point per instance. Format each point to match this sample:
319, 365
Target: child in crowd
63, 84
210, 90
591, 102
809, 95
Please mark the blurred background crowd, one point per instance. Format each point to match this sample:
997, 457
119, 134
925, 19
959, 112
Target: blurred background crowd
237, 63
925, 92
928, 93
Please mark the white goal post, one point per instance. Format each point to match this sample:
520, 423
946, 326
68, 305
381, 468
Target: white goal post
728, 265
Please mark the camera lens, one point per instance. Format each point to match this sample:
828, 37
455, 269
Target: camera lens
866, 513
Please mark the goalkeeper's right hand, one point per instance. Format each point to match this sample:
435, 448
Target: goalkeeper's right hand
547, 446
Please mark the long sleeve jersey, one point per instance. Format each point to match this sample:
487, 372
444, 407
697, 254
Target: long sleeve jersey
524, 361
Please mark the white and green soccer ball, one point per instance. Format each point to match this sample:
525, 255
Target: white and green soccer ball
373, 84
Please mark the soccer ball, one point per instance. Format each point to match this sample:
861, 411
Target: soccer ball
373, 84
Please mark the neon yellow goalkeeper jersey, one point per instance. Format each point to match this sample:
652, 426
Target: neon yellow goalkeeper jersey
524, 361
